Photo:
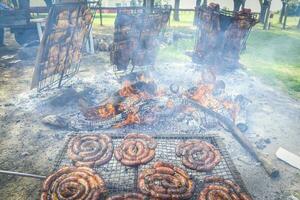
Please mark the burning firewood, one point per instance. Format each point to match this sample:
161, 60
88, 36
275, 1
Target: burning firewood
137, 88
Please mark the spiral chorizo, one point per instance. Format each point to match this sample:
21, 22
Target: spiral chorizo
198, 155
128, 196
70, 183
90, 150
136, 149
219, 188
165, 181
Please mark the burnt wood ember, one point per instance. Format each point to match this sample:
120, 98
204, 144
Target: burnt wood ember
220, 188
136, 37
73, 183
128, 196
90, 150
122, 100
136, 149
198, 155
222, 35
166, 181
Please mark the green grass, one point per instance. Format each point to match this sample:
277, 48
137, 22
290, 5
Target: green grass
272, 55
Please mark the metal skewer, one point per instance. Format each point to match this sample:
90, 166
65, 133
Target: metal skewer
22, 174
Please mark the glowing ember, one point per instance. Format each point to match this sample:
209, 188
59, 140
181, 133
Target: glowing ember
107, 111
132, 118
127, 90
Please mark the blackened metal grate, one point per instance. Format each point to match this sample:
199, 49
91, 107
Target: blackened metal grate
120, 178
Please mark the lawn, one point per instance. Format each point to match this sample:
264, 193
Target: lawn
272, 55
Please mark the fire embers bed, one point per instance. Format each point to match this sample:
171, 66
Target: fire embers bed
220, 188
165, 181
73, 183
128, 196
198, 155
126, 103
90, 150
136, 149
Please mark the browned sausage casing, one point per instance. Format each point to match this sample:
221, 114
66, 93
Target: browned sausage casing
165, 181
219, 188
70, 183
198, 155
136, 149
90, 150
128, 196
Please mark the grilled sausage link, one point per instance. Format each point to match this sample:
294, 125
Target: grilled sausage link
198, 155
73, 183
90, 150
219, 188
136, 149
165, 181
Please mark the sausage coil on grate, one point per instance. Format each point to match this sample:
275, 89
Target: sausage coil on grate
128, 196
165, 181
72, 183
90, 150
220, 188
136, 149
198, 155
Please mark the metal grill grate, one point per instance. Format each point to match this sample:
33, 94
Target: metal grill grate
120, 179
60, 50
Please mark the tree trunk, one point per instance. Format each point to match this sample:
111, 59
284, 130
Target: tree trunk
243, 4
176, 11
149, 4
263, 10
282, 12
298, 26
237, 5
285, 17
1, 37
267, 16
198, 4
204, 3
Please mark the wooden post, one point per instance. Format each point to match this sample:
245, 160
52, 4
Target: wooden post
298, 26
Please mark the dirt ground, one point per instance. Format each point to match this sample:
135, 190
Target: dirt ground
27, 145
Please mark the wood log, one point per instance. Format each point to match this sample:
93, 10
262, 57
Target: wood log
269, 167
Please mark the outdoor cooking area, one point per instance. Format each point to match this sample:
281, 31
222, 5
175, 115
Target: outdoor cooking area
145, 101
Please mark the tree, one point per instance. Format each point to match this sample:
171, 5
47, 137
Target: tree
264, 6
176, 11
198, 3
238, 4
284, 4
298, 26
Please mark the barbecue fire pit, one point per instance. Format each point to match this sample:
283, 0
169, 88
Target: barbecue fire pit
133, 129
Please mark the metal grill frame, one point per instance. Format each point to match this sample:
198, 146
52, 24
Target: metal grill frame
120, 179
57, 79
